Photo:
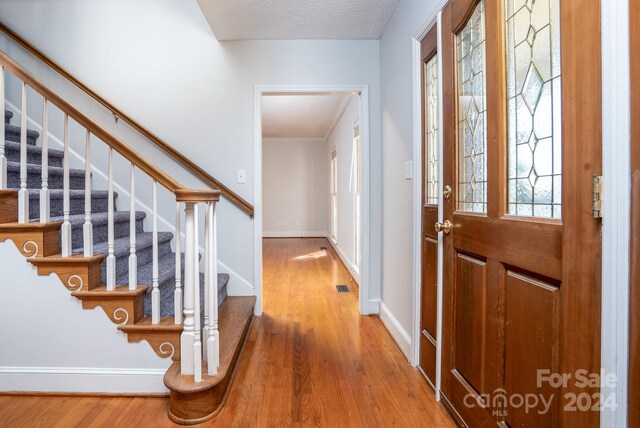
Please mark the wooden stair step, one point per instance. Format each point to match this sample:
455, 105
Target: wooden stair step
122, 306
163, 337
33, 239
76, 272
195, 402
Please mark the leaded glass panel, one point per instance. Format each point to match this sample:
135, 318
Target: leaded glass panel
534, 116
431, 130
472, 131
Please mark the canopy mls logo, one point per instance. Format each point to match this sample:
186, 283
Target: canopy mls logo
501, 402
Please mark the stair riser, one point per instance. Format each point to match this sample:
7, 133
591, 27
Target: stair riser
144, 256
98, 205
34, 180
13, 155
101, 231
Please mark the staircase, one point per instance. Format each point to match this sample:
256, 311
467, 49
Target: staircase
99, 219
107, 259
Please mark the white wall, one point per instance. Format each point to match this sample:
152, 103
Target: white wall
158, 61
341, 138
396, 82
294, 187
49, 343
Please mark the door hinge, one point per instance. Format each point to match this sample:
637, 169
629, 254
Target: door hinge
597, 196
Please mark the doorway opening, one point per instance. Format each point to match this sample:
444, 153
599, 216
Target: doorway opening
311, 176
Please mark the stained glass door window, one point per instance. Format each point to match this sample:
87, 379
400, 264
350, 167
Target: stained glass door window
534, 108
472, 130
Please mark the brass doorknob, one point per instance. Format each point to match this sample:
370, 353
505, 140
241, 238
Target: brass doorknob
444, 227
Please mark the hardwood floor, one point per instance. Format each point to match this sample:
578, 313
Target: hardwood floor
309, 360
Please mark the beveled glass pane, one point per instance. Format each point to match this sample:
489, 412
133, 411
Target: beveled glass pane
534, 117
472, 135
431, 129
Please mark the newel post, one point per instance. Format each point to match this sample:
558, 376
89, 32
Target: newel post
199, 343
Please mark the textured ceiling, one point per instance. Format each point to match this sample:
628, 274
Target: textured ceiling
297, 19
301, 116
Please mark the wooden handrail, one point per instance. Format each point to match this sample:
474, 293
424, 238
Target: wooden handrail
186, 162
124, 150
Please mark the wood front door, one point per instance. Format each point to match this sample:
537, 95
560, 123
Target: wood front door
522, 142
430, 174
634, 312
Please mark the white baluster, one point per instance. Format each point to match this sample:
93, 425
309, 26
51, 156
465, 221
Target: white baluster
187, 338
177, 294
211, 284
66, 225
87, 227
207, 278
3, 159
45, 212
111, 258
133, 258
155, 293
23, 194
197, 346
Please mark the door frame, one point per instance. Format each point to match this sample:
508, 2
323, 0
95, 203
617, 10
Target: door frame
367, 304
616, 225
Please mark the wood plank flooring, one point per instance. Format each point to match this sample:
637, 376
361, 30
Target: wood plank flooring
310, 360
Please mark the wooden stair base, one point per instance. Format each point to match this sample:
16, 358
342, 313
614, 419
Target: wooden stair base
8, 206
163, 337
76, 272
33, 239
195, 402
122, 306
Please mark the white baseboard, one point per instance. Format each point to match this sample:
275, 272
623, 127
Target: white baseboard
345, 261
294, 234
83, 380
373, 306
396, 330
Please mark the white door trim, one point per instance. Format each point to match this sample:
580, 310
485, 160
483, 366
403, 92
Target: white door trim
616, 145
367, 304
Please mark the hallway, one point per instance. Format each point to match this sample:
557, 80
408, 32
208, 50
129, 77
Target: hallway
310, 360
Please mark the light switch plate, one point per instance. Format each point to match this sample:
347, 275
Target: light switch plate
242, 177
408, 170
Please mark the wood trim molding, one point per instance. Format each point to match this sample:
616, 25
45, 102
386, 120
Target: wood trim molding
429, 45
190, 195
108, 139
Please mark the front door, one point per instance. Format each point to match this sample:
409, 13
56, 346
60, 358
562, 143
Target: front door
429, 237
522, 138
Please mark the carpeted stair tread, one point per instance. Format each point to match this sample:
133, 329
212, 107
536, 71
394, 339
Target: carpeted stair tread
12, 133
100, 222
34, 154
166, 281
34, 176
102, 218
99, 202
144, 241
